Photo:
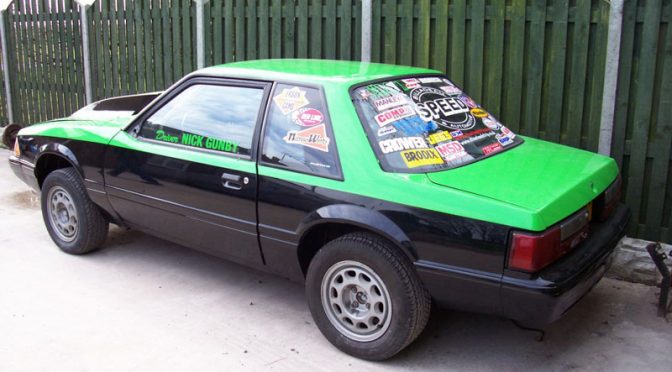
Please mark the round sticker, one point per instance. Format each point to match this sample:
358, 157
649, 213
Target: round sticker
435, 105
479, 113
307, 117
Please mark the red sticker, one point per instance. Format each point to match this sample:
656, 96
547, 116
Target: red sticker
493, 147
308, 117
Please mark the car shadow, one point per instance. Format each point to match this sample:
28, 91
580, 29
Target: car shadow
450, 338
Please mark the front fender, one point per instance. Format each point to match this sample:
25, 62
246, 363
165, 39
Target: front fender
368, 219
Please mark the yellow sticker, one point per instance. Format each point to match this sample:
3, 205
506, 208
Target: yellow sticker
291, 99
439, 137
421, 157
479, 113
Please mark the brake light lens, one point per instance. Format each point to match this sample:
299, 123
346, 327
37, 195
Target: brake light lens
611, 197
531, 252
17, 150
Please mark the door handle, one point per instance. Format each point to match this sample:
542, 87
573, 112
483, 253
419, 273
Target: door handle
231, 181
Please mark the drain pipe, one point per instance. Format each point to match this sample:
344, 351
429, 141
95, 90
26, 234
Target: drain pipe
610, 77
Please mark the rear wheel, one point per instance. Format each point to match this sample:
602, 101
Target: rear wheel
74, 223
365, 296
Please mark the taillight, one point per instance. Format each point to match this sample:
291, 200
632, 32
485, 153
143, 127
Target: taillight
611, 197
532, 252
17, 150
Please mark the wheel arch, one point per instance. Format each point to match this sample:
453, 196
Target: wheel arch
330, 222
54, 156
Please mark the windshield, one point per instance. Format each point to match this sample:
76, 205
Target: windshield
426, 123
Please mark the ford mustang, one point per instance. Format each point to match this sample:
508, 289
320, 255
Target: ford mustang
385, 189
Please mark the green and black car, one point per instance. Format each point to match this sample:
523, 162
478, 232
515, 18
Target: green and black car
384, 188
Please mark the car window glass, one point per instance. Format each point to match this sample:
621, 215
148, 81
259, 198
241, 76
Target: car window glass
212, 117
426, 124
298, 133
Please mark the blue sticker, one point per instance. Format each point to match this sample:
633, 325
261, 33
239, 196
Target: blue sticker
414, 126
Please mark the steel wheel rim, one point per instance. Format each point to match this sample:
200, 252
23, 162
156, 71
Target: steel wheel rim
62, 214
356, 301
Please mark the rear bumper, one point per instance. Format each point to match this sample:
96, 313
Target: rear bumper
24, 171
550, 294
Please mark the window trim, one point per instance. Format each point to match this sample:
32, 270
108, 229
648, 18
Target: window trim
330, 130
135, 127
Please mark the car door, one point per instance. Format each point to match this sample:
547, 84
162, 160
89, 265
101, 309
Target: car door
185, 170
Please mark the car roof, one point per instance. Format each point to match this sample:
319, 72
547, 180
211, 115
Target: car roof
312, 71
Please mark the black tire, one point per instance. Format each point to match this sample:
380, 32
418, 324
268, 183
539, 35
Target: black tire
410, 302
90, 226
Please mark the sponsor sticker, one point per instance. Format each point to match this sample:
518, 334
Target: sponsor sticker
400, 144
448, 82
433, 104
307, 117
468, 101
456, 133
291, 99
451, 89
394, 114
411, 83
479, 113
314, 137
419, 158
493, 147
507, 132
439, 137
491, 123
388, 102
504, 140
451, 150
429, 80
384, 131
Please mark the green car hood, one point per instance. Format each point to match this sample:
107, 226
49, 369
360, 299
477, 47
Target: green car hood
84, 130
548, 179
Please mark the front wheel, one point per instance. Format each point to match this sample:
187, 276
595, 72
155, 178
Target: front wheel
74, 223
365, 296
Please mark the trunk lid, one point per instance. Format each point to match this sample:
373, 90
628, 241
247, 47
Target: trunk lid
550, 179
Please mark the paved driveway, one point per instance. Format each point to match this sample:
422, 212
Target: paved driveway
144, 304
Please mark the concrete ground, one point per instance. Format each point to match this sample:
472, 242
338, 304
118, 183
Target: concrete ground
144, 304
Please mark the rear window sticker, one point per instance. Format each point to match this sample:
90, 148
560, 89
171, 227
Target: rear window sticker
291, 99
438, 137
419, 158
411, 83
493, 147
394, 114
479, 113
400, 144
434, 104
429, 80
451, 150
384, 131
491, 123
314, 137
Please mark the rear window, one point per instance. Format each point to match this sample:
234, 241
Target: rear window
426, 123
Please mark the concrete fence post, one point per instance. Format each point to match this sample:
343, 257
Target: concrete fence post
200, 39
86, 56
366, 30
610, 77
5, 67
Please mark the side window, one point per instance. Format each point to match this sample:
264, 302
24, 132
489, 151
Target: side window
212, 117
298, 133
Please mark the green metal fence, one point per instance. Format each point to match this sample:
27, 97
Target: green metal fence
536, 64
